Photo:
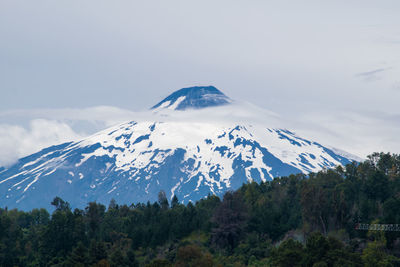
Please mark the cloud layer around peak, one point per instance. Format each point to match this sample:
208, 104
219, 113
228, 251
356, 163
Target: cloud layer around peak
23, 132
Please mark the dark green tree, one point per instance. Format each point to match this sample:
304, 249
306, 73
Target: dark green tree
230, 220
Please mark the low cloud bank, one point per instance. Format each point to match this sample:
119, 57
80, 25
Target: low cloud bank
17, 141
23, 132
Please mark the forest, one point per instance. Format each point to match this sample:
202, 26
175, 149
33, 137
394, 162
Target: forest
300, 220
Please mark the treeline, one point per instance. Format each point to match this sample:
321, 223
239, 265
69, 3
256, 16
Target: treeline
291, 221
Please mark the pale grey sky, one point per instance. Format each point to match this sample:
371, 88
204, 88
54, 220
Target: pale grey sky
312, 61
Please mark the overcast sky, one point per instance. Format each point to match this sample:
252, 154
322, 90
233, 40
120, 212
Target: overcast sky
332, 67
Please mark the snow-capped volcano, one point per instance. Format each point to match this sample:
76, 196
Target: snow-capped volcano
193, 98
207, 148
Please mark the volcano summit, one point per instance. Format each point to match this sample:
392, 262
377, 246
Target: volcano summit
194, 98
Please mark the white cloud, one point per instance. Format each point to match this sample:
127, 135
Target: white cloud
17, 141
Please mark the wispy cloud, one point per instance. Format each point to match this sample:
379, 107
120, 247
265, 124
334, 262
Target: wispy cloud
372, 75
105, 115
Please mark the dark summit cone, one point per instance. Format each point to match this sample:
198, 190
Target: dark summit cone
194, 98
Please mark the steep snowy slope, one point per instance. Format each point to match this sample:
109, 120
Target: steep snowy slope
184, 153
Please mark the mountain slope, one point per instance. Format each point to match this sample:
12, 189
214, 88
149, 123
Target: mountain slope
132, 162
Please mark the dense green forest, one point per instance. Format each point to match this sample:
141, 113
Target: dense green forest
291, 221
